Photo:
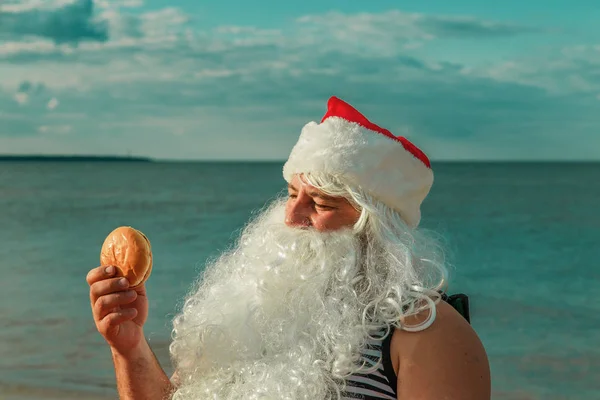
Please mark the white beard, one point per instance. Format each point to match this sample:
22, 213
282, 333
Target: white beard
279, 317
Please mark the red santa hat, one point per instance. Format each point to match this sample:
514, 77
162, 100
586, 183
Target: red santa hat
347, 144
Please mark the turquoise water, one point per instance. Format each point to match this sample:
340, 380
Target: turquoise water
523, 240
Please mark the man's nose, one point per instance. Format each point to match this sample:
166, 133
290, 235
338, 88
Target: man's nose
298, 215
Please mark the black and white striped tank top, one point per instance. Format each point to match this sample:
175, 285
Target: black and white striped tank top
382, 382
376, 384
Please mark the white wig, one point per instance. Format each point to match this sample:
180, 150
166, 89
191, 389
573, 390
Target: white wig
285, 313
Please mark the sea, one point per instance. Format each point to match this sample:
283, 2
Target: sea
522, 239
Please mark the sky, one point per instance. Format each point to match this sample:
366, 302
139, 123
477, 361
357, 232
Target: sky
206, 80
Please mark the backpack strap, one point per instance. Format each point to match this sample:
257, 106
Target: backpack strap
460, 302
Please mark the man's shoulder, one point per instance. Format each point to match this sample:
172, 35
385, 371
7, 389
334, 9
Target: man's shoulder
447, 321
449, 326
449, 352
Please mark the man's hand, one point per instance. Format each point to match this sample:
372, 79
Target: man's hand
119, 312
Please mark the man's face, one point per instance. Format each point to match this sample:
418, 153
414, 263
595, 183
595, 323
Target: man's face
309, 207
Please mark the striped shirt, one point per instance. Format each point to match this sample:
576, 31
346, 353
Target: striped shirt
380, 382
378, 379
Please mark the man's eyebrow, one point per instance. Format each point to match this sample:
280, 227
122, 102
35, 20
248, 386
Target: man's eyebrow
322, 196
313, 193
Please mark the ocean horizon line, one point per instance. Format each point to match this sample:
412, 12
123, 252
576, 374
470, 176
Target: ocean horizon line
147, 159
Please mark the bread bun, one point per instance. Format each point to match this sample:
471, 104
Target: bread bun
130, 252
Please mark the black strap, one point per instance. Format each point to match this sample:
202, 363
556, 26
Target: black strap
460, 302
386, 360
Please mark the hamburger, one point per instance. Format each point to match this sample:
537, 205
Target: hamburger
129, 251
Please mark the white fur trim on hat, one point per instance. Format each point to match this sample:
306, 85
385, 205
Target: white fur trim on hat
379, 164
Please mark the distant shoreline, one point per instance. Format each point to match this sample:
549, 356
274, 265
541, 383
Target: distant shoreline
72, 158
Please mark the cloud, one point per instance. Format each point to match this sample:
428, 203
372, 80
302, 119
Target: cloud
393, 27
55, 129
243, 91
167, 31
571, 69
116, 4
27, 89
21, 98
68, 22
52, 103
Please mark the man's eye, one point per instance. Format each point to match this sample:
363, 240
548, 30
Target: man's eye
292, 196
323, 206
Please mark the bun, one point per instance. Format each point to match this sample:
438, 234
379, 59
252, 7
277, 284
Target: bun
130, 252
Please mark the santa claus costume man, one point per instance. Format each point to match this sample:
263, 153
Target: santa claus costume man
330, 293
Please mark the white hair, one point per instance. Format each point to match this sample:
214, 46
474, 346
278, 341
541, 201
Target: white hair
285, 312
412, 255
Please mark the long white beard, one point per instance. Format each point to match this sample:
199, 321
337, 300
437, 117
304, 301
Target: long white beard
279, 317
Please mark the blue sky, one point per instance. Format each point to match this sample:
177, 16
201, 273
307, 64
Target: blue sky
227, 79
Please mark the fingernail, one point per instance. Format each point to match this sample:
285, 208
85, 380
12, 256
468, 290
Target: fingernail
123, 282
110, 270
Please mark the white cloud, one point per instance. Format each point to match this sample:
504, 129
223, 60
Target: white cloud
53, 103
21, 98
132, 3
119, 3
156, 76
564, 71
55, 129
390, 32
19, 6
23, 47
171, 50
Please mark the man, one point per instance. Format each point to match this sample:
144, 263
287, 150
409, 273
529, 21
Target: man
331, 293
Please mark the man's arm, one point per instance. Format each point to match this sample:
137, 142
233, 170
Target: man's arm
446, 361
120, 313
140, 376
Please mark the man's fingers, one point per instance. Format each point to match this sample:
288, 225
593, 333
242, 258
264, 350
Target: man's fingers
99, 273
114, 319
107, 286
104, 305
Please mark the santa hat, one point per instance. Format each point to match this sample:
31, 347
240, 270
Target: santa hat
347, 144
